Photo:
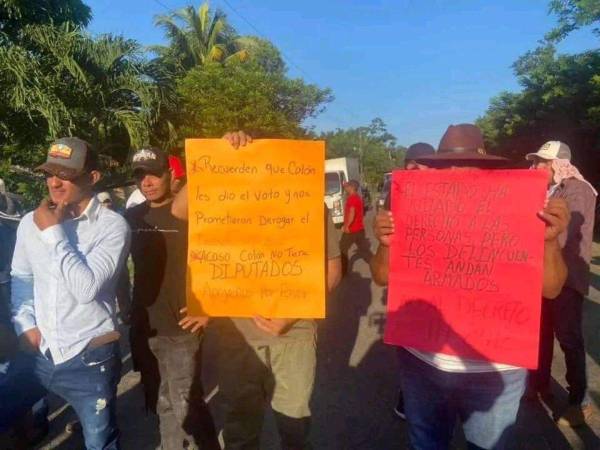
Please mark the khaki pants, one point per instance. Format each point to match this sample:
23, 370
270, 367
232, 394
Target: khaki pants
250, 377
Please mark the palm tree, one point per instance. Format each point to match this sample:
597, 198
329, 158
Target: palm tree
122, 92
98, 88
198, 37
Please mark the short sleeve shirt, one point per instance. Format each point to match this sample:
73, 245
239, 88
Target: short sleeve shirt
233, 331
354, 201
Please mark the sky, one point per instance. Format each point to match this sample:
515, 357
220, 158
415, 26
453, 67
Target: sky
420, 65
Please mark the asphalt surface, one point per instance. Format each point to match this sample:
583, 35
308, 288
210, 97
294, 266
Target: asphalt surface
357, 382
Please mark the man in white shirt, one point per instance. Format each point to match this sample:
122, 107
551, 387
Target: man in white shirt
440, 389
68, 255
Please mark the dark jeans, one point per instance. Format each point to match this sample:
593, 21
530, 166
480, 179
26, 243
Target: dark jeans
88, 382
486, 404
19, 392
185, 419
562, 317
363, 248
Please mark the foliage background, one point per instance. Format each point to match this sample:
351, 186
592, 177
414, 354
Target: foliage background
57, 79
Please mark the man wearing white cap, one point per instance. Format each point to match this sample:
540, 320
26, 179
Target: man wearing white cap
563, 316
105, 199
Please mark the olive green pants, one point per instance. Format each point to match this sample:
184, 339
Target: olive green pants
252, 376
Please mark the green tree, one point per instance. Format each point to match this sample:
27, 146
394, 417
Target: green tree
559, 97
56, 79
19, 53
96, 88
215, 99
373, 145
15, 14
198, 37
264, 53
572, 15
167, 131
60, 81
559, 100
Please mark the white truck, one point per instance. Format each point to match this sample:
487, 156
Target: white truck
337, 172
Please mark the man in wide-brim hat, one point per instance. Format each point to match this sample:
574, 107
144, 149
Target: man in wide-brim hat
462, 146
438, 388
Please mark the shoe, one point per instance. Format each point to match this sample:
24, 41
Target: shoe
399, 408
576, 416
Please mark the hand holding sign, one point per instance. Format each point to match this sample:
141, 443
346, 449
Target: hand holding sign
556, 214
383, 227
237, 139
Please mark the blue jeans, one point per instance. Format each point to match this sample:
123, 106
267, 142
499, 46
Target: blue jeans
88, 382
486, 403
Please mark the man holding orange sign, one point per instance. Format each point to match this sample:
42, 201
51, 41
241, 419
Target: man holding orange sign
256, 258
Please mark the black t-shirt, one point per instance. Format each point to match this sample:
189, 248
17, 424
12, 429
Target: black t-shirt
159, 253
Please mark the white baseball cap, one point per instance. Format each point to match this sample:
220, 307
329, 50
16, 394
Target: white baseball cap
103, 197
552, 150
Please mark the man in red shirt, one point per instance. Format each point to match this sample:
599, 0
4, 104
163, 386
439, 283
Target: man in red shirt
354, 229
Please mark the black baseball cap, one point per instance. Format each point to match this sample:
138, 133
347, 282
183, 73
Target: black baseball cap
418, 150
68, 158
151, 160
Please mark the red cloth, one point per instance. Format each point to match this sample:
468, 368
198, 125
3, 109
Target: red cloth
356, 202
176, 166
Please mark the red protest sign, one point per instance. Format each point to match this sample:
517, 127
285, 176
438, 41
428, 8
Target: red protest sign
466, 263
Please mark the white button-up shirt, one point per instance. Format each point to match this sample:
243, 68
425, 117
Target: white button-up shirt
64, 279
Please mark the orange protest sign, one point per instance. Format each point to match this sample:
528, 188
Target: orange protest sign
256, 229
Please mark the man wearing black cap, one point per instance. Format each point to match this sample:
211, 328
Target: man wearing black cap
415, 152
439, 388
165, 341
69, 253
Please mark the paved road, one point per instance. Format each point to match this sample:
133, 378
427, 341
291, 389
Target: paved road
357, 382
